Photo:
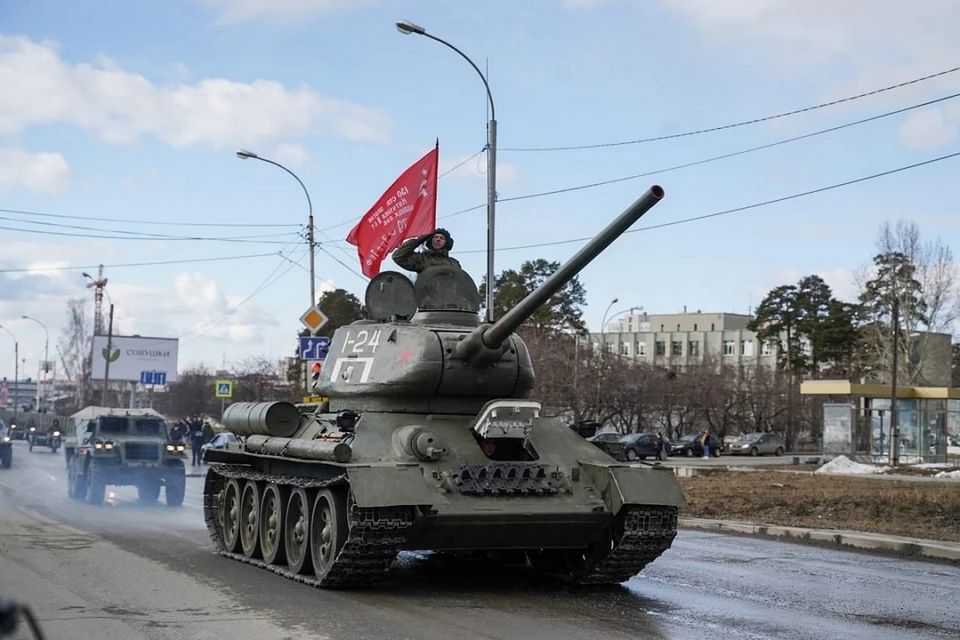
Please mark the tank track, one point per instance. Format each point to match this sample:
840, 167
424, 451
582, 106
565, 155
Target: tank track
648, 532
375, 538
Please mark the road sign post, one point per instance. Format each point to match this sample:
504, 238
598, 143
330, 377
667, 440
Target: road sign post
223, 389
314, 347
314, 319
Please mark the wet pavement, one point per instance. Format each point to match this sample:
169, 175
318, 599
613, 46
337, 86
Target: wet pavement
125, 570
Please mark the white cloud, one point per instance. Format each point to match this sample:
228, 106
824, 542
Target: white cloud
278, 11
292, 154
926, 129
469, 167
120, 106
40, 172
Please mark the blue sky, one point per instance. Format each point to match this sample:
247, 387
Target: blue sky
133, 111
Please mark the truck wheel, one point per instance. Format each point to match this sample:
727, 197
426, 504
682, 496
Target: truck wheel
97, 484
176, 487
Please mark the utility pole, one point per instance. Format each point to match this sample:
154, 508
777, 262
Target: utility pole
106, 366
16, 379
894, 413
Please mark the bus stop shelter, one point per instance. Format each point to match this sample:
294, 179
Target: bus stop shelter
856, 420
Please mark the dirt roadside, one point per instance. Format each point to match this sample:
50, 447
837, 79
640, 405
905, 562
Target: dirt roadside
920, 510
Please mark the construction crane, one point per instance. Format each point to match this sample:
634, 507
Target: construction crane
97, 285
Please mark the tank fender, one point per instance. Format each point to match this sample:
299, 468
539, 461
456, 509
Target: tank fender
393, 485
621, 484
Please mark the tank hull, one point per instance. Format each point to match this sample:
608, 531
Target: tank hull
571, 502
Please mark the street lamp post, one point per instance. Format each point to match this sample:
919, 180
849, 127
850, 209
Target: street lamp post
407, 27
46, 359
16, 372
243, 154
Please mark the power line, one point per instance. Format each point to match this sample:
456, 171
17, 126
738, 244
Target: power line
137, 264
703, 161
743, 123
153, 222
252, 239
739, 209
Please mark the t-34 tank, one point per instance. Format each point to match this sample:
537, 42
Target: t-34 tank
430, 441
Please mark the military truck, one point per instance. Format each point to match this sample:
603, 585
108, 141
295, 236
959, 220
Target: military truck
105, 446
6, 445
429, 440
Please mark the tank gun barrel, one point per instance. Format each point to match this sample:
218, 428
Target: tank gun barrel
487, 340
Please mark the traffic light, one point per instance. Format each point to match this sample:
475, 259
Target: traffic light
315, 372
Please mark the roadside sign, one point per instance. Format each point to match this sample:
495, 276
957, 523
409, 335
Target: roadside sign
224, 389
314, 319
153, 377
314, 348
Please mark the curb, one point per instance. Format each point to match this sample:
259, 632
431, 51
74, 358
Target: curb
913, 547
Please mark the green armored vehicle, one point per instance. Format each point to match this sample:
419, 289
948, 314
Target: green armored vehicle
429, 441
105, 446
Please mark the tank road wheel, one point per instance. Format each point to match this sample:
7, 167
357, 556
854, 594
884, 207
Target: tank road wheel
581, 562
272, 504
250, 519
97, 483
296, 531
328, 530
148, 491
230, 515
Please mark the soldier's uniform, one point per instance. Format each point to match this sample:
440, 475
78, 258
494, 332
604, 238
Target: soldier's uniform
407, 258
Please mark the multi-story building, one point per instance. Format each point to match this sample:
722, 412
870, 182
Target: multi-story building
685, 339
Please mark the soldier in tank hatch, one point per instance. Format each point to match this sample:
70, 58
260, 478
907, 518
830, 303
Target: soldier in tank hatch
436, 252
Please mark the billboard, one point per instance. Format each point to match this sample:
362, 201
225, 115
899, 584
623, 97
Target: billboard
132, 356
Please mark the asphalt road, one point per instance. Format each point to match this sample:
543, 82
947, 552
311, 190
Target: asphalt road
123, 570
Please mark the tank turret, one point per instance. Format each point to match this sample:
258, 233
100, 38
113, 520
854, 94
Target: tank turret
425, 349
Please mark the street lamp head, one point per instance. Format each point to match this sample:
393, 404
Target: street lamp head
615, 301
406, 27
86, 275
243, 154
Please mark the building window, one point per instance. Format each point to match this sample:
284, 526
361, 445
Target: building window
694, 326
693, 348
746, 348
641, 348
676, 348
711, 327
766, 349
678, 326
660, 348
805, 347
661, 327
609, 347
729, 347
624, 348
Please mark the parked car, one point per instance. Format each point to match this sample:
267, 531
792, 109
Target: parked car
637, 445
689, 445
586, 428
605, 440
219, 441
755, 444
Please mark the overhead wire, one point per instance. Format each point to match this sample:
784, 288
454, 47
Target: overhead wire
724, 212
137, 264
148, 222
244, 240
742, 123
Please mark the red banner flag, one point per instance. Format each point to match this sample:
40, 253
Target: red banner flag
406, 210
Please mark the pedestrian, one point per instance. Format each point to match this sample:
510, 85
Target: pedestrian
659, 445
705, 443
196, 442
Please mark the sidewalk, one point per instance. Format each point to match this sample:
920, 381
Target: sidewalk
917, 547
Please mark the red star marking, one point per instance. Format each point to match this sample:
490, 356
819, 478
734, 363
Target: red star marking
405, 355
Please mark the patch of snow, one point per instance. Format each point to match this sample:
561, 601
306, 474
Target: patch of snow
933, 465
953, 451
842, 465
949, 474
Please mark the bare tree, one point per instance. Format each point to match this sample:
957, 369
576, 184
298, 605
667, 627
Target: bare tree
75, 345
192, 394
936, 273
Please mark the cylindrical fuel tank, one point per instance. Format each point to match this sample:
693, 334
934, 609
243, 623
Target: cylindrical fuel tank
262, 418
329, 451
